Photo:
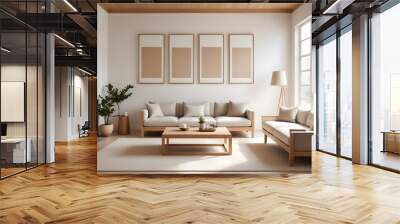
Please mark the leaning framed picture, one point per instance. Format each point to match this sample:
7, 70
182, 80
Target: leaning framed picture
151, 58
211, 58
241, 58
181, 62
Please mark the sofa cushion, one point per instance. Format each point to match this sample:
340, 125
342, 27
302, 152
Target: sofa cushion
168, 108
237, 109
310, 120
167, 121
233, 122
194, 110
154, 110
287, 114
281, 129
208, 108
194, 121
302, 116
220, 109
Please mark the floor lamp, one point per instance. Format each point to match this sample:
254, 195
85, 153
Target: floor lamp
279, 79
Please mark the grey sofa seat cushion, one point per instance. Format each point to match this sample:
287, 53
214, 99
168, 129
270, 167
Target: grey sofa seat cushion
281, 129
233, 122
166, 121
194, 121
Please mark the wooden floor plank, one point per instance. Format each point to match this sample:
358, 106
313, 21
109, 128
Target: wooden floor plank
70, 191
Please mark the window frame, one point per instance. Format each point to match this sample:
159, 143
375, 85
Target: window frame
302, 70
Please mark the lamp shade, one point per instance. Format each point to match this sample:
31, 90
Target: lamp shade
279, 78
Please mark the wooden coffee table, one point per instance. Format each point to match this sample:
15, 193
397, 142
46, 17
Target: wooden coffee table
194, 133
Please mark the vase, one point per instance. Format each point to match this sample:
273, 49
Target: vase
123, 125
106, 130
202, 126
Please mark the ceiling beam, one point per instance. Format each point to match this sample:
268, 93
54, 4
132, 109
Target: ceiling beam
200, 7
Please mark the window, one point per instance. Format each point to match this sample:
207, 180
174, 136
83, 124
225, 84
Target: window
327, 97
346, 95
385, 89
306, 95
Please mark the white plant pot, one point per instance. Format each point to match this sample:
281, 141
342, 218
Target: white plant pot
106, 130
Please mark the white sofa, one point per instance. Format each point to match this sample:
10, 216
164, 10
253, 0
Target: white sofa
215, 113
293, 137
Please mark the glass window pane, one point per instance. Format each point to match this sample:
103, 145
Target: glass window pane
305, 30
13, 83
327, 97
305, 47
306, 97
305, 78
305, 63
385, 91
346, 94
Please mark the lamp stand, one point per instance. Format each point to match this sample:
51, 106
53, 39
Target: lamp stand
281, 98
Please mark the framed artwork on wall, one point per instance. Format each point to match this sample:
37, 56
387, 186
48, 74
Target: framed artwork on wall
181, 60
211, 58
241, 58
151, 58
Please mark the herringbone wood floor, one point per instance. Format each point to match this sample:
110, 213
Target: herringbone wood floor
70, 191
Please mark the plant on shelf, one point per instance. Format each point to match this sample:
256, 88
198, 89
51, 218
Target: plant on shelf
202, 123
105, 108
119, 95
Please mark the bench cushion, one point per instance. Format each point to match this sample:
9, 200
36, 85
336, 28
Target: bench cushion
194, 121
166, 121
233, 122
281, 129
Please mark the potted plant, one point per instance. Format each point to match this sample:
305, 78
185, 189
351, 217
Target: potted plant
202, 123
118, 96
105, 108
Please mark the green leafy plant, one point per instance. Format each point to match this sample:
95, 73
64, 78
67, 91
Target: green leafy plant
105, 107
202, 120
119, 95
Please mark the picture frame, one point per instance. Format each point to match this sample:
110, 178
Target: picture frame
241, 58
211, 58
151, 50
181, 58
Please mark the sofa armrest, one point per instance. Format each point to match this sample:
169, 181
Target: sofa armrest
301, 140
250, 115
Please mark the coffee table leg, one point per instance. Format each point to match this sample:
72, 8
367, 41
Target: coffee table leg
230, 145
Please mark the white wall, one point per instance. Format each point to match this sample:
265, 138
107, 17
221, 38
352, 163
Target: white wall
272, 52
66, 121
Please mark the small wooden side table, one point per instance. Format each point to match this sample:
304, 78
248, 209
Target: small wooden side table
391, 141
123, 125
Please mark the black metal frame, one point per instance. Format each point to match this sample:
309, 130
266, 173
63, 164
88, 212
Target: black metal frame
336, 38
44, 80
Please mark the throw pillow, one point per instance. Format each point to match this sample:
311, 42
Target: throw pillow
154, 110
237, 109
194, 110
207, 107
287, 114
310, 120
302, 116
220, 109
